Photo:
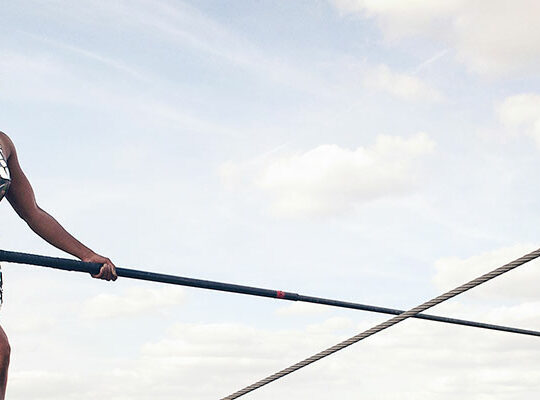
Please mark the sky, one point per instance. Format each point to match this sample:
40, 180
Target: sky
379, 152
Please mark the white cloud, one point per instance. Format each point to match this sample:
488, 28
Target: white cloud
522, 114
520, 284
404, 86
330, 179
524, 314
47, 382
298, 309
399, 18
134, 301
200, 361
490, 37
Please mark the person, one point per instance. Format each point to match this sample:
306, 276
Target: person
16, 188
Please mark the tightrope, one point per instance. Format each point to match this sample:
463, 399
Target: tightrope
387, 324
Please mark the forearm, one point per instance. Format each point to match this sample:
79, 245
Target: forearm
50, 230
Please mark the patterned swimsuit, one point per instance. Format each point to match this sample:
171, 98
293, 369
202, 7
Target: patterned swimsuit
5, 177
5, 181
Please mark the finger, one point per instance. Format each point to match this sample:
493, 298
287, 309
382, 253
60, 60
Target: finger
99, 275
108, 267
103, 272
113, 271
107, 272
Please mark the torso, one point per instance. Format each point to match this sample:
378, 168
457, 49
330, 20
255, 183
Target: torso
5, 177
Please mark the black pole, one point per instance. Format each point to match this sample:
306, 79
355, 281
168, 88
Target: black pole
93, 268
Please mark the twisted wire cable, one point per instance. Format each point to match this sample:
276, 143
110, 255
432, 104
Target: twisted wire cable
387, 324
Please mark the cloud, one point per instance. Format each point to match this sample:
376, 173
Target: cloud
134, 301
522, 314
200, 361
520, 284
522, 113
400, 18
330, 180
490, 37
301, 309
47, 382
404, 86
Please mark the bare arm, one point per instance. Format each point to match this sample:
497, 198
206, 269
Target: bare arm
22, 199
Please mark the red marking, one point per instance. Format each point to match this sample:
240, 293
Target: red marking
280, 294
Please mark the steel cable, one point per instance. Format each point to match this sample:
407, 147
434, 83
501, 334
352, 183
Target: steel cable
387, 324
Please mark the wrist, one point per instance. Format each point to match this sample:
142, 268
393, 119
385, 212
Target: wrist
86, 254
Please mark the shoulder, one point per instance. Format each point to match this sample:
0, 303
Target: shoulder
7, 145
